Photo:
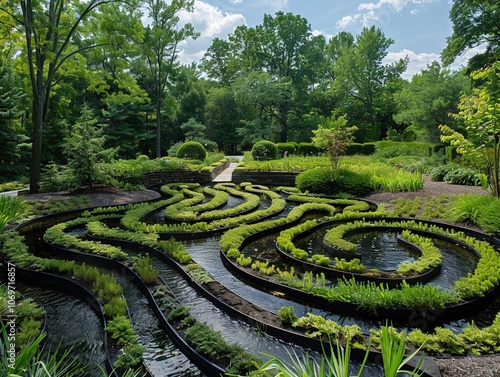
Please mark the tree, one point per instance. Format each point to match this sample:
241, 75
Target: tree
334, 137
475, 22
222, 115
284, 49
85, 149
363, 78
49, 28
15, 144
160, 49
481, 114
428, 101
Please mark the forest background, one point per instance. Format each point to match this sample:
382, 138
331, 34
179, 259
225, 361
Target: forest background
67, 62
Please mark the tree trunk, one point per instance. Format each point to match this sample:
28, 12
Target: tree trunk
158, 127
36, 149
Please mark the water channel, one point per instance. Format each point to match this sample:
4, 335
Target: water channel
73, 323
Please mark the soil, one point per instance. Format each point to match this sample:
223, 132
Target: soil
484, 366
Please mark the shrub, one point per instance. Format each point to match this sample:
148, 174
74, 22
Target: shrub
264, 150
325, 181
287, 315
289, 148
142, 157
366, 149
388, 149
192, 150
308, 149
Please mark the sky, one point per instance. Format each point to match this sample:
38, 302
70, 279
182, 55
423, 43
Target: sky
419, 28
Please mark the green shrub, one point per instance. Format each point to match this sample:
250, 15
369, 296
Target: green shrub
264, 150
142, 157
388, 149
366, 149
287, 315
192, 150
325, 181
131, 357
308, 149
145, 269
117, 306
289, 148
121, 330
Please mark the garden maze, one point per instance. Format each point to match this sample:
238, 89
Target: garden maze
206, 267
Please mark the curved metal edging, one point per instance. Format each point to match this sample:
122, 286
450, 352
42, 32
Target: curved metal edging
203, 363
283, 333
77, 290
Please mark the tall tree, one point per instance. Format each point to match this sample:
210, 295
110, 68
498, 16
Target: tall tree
363, 77
161, 52
475, 22
282, 47
49, 28
428, 100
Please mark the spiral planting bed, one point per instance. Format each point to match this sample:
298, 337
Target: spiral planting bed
335, 268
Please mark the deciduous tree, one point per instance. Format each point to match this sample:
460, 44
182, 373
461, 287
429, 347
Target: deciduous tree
481, 114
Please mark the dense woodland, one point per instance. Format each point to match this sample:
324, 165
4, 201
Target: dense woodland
64, 63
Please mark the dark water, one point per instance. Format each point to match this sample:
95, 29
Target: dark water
381, 250
72, 324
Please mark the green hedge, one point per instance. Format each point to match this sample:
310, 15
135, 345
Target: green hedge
326, 181
264, 150
308, 149
288, 148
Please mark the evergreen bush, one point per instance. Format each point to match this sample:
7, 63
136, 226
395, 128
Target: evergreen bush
286, 148
264, 150
192, 150
308, 149
325, 181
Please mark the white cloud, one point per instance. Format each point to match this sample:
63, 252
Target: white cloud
347, 20
210, 22
236, 1
463, 60
380, 11
417, 61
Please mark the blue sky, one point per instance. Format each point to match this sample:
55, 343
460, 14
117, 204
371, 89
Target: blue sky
419, 28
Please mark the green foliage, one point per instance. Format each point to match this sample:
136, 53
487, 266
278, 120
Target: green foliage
264, 150
400, 181
85, 149
308, 149
34, 358
192, 150
353, 265
107, 287
144, 267
176, 250
388, 149
287, 315
366, 149
130, 357
211, 343
9, 208
481, 210
286, 149
178, 312
324, 181
121, 331
393, 349
117, 306
333, 136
